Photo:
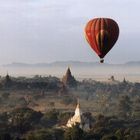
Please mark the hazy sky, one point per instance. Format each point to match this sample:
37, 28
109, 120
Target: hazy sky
35, 31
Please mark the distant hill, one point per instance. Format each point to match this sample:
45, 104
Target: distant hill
71, 63
133, 63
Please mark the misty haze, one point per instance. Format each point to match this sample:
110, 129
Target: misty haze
81, 70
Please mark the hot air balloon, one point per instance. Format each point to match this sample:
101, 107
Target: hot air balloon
101, 34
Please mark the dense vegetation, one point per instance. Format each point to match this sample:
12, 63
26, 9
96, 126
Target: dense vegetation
113, 109
26, 124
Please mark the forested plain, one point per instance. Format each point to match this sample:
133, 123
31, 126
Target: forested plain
38, 108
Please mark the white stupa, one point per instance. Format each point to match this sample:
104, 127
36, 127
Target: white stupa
78, 118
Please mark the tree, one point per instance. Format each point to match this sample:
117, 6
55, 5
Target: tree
5, 136
136, 109
124, 107
23, 119
67, 100
50, 118
39, 135
74, 133
45, 134
5, 95
109, 137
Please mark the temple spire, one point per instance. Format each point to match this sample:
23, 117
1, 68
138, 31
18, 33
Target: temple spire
69, 80
78, 118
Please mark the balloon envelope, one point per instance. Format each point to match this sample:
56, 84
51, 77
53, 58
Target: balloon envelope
101, 34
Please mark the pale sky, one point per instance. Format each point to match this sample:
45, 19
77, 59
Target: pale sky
34, 31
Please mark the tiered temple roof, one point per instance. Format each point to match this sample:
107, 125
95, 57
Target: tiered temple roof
68, 79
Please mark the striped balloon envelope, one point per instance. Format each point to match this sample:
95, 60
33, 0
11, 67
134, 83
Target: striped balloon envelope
101, 34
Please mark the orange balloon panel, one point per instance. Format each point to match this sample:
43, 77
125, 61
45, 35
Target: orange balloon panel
102, 34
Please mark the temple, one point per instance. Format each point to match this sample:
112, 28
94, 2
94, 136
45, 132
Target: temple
78, 118
69, 80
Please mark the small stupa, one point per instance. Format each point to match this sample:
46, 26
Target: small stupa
124, 80
7, 81
7, 77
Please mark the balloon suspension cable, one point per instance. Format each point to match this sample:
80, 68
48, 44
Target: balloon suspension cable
101, 60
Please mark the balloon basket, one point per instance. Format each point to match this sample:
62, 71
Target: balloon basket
101, 60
